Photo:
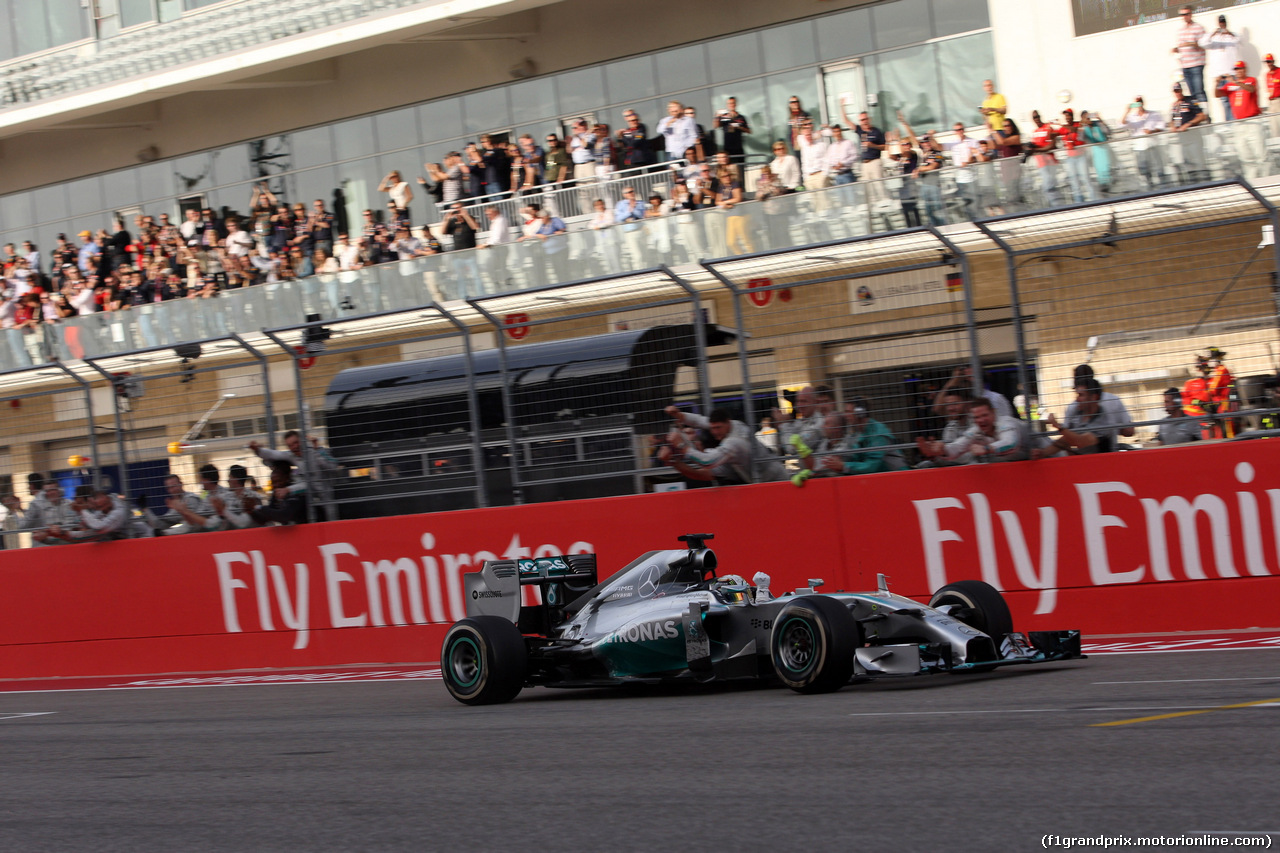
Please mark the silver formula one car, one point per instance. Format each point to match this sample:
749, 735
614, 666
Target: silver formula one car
668, 617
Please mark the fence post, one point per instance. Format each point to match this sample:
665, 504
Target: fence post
120, 441
303, 424
970, 316
699, 338
1015, 304
473, 403
266, 386
517, 493
1274, 215
96, 465
740, 331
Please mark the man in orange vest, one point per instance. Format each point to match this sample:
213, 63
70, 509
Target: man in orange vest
1222, 386
1195, 396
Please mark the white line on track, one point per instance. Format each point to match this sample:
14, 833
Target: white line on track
1041, 710
1193, 680
26, 714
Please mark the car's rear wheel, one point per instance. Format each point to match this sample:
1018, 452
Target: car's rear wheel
483, 660
979, 605
813, 644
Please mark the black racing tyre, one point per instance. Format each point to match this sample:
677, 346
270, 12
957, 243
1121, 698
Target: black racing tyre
484, 660
980, 605
813, 644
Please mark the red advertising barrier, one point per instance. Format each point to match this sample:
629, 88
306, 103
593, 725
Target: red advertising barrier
1182, 539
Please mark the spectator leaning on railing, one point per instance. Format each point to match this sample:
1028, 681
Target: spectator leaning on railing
990, 437
52, 514
1178, 427
738, 458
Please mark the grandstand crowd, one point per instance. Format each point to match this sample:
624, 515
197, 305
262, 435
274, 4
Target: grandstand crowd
154, 259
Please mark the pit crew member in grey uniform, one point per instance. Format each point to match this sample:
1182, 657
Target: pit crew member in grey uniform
174, 522
991, 437
104, 516
803, 431
51, 514
739, 458
1109, 404
1091, 430
956, 404
234, 505
1179, 427
314, 466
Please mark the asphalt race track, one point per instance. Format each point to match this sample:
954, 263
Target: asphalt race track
979, 762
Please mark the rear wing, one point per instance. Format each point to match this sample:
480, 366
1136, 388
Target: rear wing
495, 589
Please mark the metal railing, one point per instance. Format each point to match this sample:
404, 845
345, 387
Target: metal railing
198, 35
574, 199
951, 196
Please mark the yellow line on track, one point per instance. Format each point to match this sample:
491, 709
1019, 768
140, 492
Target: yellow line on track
1185, 713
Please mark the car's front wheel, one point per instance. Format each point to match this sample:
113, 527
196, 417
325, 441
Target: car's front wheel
977, 604
483, 660
813, 644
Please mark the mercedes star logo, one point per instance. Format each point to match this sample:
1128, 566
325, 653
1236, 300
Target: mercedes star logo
648, 581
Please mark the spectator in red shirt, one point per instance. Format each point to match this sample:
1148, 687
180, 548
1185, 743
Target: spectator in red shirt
1040, 146
1250, 139
1243, 92
1077, 161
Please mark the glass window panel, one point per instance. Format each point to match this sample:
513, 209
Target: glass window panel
963, 63
134, 12
234, 199
353, 139
396, 129
6, 42
959, 16
751, 103
879, 117
31, 31
231, 165
903, 22
155, 181
778, 90
734, 58
909, 82
844, 35
170, 10
120, 188
441, 119
15, 211
789, 46
68, 20
532, 100
580, 91
190, 174
486, 110
48, 241
358, 181
310, 147
631, 79
85, 195
50, 203
681, 69
313, 184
